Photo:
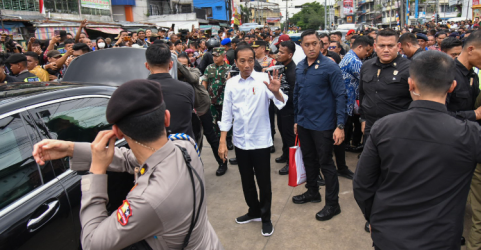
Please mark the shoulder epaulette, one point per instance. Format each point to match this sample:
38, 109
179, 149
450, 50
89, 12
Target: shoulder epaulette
184, 137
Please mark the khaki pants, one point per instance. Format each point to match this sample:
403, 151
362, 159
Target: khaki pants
474, 198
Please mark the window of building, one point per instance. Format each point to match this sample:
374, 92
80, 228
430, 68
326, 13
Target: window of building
159, 7
208, 11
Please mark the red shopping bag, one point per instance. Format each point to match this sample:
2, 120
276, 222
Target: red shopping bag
297, 172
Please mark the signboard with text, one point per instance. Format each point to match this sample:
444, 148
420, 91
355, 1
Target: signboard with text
96, 4
348, 7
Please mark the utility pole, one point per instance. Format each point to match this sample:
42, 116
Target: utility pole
287, 15
325, 14
390, 12
436, 12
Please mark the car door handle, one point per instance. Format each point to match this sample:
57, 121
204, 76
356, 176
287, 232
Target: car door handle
35, 223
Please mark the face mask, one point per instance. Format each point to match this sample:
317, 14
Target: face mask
101, 45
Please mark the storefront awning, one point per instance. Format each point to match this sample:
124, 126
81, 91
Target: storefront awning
46, 33
114, 31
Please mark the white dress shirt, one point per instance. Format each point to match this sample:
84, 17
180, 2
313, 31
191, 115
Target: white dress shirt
246, 101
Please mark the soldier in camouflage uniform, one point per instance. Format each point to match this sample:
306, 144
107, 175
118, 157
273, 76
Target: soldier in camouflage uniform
214, 79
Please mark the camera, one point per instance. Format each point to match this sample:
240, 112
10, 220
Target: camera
285, 87
234, 71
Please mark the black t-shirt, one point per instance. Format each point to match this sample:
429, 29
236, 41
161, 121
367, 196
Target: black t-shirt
334, 56
179, 100
289, 75
27, 77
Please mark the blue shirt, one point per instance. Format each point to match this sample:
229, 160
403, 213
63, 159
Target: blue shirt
351, 69
319, 95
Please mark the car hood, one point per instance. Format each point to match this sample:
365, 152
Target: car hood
109, 67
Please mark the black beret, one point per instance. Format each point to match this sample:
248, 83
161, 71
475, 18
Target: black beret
16, 58
133, 98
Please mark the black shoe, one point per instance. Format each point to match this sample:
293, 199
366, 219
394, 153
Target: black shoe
320, 181
281, 159
328, 212
222, 169
357, 149
284, 170
366, 227
463, 241
346, 173
230, 146
267, 229
307, 197
349, 148
246, 219
233, 161
273, 149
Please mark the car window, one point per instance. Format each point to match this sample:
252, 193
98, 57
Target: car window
18, 171
76, 120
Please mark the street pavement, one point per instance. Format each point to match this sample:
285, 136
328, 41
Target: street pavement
295, 226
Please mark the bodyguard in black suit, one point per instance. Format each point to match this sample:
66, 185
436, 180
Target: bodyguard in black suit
414, 175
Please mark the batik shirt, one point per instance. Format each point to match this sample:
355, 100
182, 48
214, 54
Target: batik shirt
351, 68
216, 77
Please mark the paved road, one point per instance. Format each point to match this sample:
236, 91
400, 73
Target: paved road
295, 225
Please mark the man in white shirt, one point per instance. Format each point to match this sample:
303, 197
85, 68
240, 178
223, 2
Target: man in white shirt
246, 101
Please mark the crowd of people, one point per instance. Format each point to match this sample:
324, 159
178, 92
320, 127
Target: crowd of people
408, 100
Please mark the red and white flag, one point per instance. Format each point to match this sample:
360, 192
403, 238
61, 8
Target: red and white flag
41, 7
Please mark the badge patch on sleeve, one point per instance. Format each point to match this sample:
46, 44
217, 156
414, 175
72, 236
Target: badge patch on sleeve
124, 212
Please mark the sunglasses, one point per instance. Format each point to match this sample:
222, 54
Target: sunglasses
332, 47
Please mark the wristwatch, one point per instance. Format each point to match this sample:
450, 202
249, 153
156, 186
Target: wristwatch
340, 126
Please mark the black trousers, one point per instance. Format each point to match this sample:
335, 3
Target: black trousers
258, 160
210, 134
319, 145
353, 130
285, 124
272, 114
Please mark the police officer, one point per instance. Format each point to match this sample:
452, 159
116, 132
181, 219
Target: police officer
4, 78
18, 66
384, 87
410, 45
214, 79
264, 60
152, 210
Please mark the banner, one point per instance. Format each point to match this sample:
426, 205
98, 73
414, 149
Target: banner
348, 7
96, 4
273, 19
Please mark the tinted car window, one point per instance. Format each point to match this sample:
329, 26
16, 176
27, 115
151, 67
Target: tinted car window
18, 171
75, 120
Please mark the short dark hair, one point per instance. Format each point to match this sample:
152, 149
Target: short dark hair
177, 42
158, 55
433, 71
409, 38
449, 43
337, 33
322, 35
363, 41
354, 37
387, 33
68, 41
308, 33
440, 33
242, 48
473, 39
290, 45
144, 128
31, 54
242, 43
81, 46
183, 55
338, 44
194, 44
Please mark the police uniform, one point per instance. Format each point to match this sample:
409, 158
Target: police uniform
266, 61
25, 75
383, 90
152, 210
216, 77
461, 102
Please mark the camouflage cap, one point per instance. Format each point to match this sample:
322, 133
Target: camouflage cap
217, 51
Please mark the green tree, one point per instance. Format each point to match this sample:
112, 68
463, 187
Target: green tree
245, 14
310, 17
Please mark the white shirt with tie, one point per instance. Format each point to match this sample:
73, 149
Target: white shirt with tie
246, 102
